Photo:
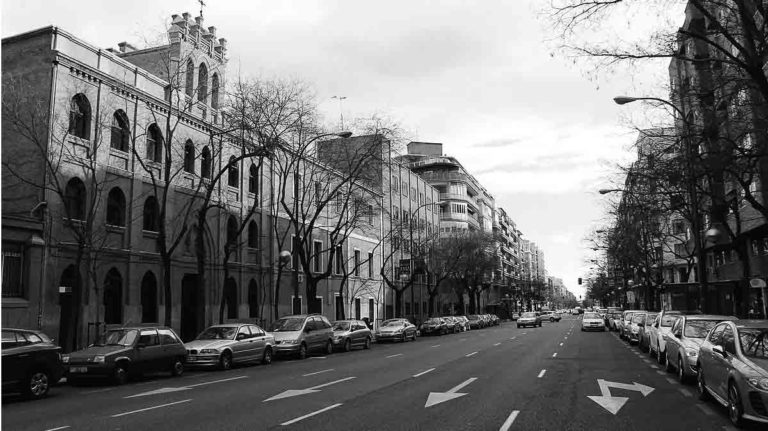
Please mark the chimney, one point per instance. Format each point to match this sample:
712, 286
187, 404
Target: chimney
186, 16
126, 47
212, 31
174, 17
199, 21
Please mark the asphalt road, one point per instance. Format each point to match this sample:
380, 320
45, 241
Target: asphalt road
500, 378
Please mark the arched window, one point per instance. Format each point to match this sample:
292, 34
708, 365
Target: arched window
80, 116
190, 84
189, 157
113, 297
215, 91
116, 207
74, 199
253, 299
253, 179
149, 298
234, 173
120, 131
253, 234
230, 297
205, 163
231, 231
154, 143
151, 215
202, 83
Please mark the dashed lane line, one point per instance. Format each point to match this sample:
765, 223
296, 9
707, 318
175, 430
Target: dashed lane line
497, 344
393, 356
471, 354
510, 419
58, 428
685, 392
671, 382
554, 355
436, 345
662, 373
423, 372
541, 374
317, 372
300, 418
561, 344
150, 408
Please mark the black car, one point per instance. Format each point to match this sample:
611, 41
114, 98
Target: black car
128, 351
475, 321
434, 325
31, 362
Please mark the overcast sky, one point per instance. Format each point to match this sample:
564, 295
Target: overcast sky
481, 77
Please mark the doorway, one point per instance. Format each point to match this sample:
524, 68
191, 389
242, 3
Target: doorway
190, 307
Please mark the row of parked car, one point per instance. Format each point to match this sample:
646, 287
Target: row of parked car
32, 362
725, 356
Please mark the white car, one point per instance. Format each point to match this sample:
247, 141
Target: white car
592, 322
661, 326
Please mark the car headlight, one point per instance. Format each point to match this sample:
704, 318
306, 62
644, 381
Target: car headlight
290, 341
98, 359
692, 352
759, 382
208, 351
65, 359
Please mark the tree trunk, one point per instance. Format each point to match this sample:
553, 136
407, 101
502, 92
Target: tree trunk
276, 304
398, 303
313, 306
472, 303
432, 296
200, 252
166, 261
342, 312
223, 298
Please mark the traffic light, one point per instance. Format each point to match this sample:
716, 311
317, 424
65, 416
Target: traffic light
579, 281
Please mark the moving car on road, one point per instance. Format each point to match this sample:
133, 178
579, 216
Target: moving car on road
31, 362
396, 330
592, 322
300, 334
351, 333
434, 325
225, 345
661, 327
733, 369
529, 319
128, 351
684, 340
551, 316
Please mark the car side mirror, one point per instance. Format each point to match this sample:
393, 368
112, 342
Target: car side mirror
240, 337
719, 349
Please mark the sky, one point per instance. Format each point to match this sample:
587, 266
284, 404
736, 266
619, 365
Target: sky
537, 129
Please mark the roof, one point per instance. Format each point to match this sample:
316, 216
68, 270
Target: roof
709, 317
751, 323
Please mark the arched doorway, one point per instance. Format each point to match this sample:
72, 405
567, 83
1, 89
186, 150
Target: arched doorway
190, 307
113, 297
253, 299
149, 298
67, 318
230, 298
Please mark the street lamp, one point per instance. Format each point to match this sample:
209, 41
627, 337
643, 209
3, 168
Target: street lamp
606, 191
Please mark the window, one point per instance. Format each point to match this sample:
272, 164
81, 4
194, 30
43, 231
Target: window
295, 246
729, 344
189, 157
215, 91
232, 231
414, 195
357, 263
168, 337
74, 199
253, 234
317, 257
205, 163
370, 265
318, 193
421, 198
256, 331
339, 255
151, 215
116, 207
404, 188
233, 172
149, 337
716, 337
12, 270
190, 84
395, 184
243, 333
202, 83
369, 211
253, 179
396, 213
80, 117
678, 227
154, 143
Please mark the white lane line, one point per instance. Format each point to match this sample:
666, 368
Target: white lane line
705, 409
473, 353
554, 355
508, 423
436, 345
561, 344
96, 391
497, 344
216, 381
423, 372
150, 408
513, 338
685, 392
671, 382
464, 339
300, 418
393, 356
461, 385
59, 428
654, 366
317, 372
541, 374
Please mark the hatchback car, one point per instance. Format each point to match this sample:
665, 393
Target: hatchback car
529, 319
434, 325
661, 327
31, 362
733, 369
592, 322
684, 340
451, 325
225, 345
625, 321
301, 334
351, 333
475, 322
551, 316
463, 323
128, 351
396, 330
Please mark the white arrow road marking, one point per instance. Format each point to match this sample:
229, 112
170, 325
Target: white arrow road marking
423, 372
150, 408
440, 397
183, 388
614, 404
296, 392
508, 423
293, 421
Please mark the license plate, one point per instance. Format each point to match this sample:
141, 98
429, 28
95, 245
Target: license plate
191, 358
78, 369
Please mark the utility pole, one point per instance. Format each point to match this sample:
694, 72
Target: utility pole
341, 112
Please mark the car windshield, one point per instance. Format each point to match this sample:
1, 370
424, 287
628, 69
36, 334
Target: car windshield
754, 342
341, 326
649, 318
118, 337
591, 316
668, 320
529, 314
638, 318
698, 328
218, 333
434, 321
287, 324
392, 323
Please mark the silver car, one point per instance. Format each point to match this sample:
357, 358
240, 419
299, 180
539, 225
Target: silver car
225, 345
683, 342
351, 333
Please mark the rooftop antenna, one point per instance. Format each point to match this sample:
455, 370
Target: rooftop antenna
341, 113
202, 3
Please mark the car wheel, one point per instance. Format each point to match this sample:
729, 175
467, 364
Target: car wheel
266, 357
701, 385
302, 351
329, 347
225, 361
37, 384
348, 345
735, 409
551, 319
367, 344
177, 367
681, 377
539, 324
120, 374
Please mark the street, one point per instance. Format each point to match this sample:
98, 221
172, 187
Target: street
501, 378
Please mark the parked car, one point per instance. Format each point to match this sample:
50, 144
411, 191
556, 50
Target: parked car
225, 345
551, 316
31, 362
495, 320
351, 333
434, 325
301, 334
661, 328
684, 340
632, 333
626, 320
450, 324
529, 319
515, 316
128, 351
463, 323
592, 322
644, 334
396, 329
733, 369
475, 322
614, 321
